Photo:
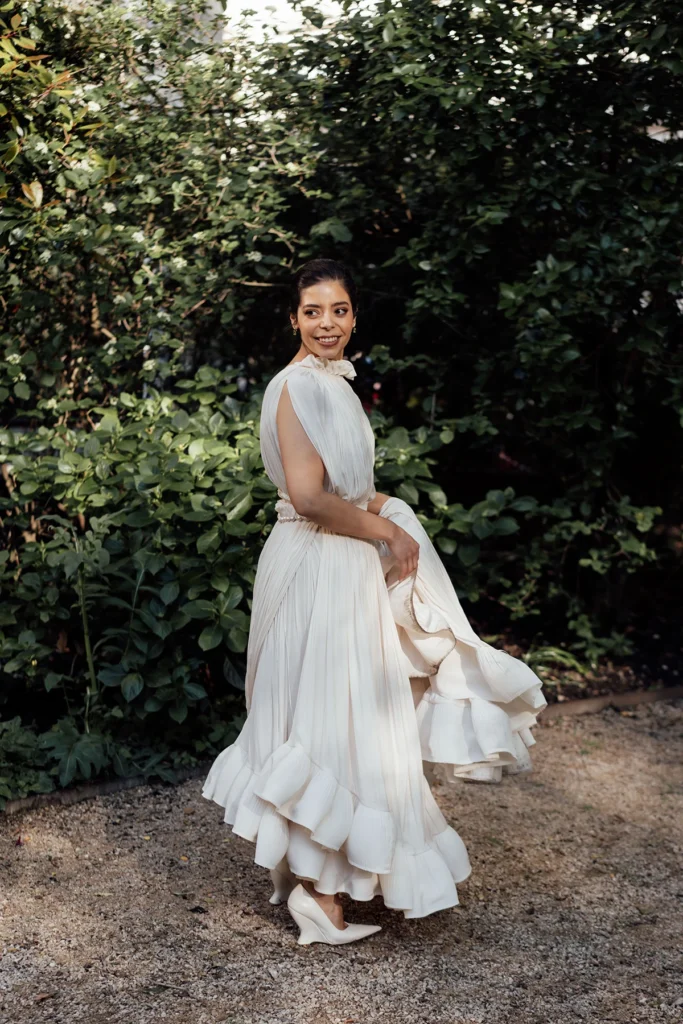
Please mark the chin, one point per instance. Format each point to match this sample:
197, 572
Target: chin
329, 351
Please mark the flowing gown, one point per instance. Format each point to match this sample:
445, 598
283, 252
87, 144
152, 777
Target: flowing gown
327, 773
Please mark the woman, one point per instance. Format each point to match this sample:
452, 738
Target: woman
354, 619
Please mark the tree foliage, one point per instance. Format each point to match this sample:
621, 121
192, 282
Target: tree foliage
504, 180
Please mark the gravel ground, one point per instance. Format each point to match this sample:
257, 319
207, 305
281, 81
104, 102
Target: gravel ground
142, 907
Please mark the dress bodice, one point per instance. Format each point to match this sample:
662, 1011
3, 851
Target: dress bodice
334, 420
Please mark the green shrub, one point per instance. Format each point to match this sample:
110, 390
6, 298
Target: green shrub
506, 184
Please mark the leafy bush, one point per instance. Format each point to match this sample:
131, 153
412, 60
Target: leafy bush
125, 583
506, 183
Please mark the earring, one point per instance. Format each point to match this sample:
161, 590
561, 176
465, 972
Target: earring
354, 329
293, 330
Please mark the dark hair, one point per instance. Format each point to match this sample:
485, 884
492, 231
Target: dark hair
321, 270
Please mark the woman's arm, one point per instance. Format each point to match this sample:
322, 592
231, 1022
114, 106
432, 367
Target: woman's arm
376, 504
305, 475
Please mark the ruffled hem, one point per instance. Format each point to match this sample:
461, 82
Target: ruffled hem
477, 740
293, 810
475, 718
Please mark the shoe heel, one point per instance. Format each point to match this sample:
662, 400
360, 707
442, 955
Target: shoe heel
308, 930
282, 884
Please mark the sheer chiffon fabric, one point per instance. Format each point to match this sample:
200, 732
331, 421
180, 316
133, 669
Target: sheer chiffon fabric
327, 772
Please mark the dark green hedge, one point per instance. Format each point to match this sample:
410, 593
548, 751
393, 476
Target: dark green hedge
506, 187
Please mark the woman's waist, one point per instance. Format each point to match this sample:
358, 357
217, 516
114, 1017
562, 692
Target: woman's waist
286, 513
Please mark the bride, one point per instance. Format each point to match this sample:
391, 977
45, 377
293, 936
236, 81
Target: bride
361, 663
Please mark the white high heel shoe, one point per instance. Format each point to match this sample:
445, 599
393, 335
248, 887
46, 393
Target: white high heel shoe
283, 883
315, 925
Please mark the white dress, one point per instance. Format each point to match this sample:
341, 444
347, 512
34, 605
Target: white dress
327, 772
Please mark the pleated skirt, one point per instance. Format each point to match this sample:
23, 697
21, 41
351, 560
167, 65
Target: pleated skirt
326, 774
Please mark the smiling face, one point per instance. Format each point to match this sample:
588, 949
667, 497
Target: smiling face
325, 319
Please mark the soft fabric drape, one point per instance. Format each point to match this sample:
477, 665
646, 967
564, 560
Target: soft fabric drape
327, 772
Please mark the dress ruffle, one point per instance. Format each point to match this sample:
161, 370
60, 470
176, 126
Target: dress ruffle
476, 716
294, 810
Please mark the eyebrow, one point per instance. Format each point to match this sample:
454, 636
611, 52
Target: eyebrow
316, 305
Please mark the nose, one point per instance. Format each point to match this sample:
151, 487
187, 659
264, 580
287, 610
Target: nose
325, 320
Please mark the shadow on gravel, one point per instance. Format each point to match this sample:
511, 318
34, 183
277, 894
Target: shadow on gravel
142, 906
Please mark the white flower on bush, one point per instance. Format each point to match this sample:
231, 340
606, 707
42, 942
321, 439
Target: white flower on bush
224, 182
138, 179
45, 256
163, 315
82, 165
211, 275
178, 262
255, 256
50, 403
13, 357
109, 207
149, 364
41, 146
110, 348
138, 236
119, 300
93, 106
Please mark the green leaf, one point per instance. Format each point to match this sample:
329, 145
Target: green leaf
446, 544
237, 640
178, 713
112, 676
194, 691
200, 609
210, 637
438, 497
220, 583
169, 592
209, 541
240, 509
505, 525
408, 493
132, 685
468, 553
332, 226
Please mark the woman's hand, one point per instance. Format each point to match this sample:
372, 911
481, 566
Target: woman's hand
405, 550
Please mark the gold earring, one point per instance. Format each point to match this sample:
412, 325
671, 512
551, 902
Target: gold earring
354, 329
293, 330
